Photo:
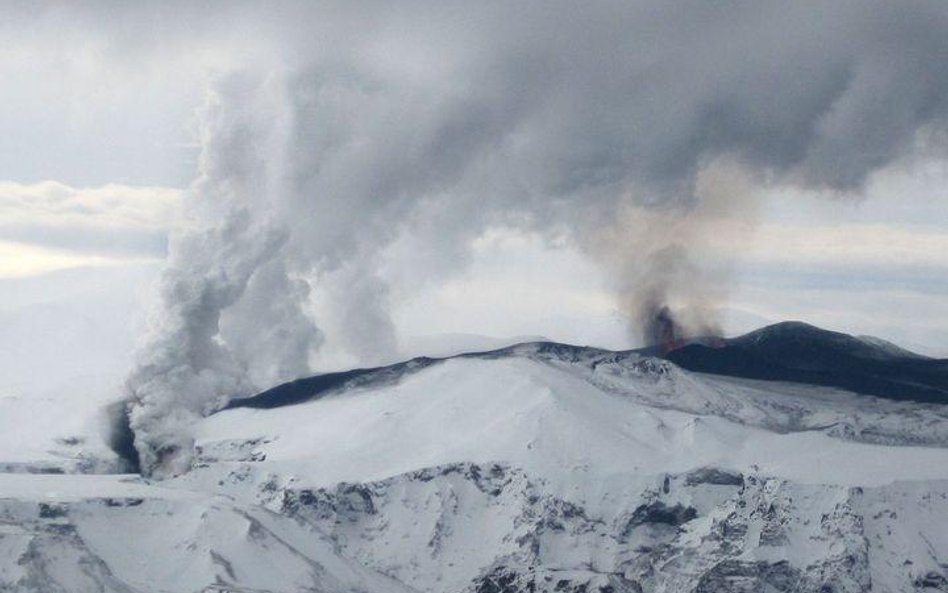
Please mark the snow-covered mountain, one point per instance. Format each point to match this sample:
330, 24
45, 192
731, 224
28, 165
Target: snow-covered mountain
539, 467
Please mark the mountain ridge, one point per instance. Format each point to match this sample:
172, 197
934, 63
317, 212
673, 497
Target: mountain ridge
812, 352
802, 353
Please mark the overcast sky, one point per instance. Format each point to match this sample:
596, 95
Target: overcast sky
837, 113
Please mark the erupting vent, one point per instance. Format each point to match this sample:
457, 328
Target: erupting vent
121, 438
663, 331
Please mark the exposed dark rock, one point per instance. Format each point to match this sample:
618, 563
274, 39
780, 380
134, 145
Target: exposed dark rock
318, 386
659, 512
932, 581
734, 576
123, 502
795, 351
504, 580
714, 476
73, 441
511, 579
355, 499
52, 511
558, 513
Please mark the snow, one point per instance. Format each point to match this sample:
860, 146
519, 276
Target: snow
545, 419
544, 468
66, 343
71, 487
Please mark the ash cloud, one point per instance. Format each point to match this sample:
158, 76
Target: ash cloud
670, 277
635, 128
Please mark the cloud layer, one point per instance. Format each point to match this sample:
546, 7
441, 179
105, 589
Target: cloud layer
48, 226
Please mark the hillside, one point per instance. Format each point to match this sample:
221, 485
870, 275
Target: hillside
539, 467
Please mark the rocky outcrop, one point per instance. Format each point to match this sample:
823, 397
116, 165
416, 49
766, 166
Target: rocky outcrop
704, 531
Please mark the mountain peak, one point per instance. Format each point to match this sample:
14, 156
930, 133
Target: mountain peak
794, 338
803, 353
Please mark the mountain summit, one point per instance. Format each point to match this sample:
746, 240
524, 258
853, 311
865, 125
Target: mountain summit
802, 353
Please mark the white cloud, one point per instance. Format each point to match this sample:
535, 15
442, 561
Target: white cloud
50, 226
19, 260
851, 244
108, 207
112, 221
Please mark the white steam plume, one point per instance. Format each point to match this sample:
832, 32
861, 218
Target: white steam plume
227, 258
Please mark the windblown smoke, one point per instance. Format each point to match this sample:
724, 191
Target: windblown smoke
640, 128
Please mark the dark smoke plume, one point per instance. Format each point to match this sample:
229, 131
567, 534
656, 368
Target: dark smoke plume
660, 328
121, 438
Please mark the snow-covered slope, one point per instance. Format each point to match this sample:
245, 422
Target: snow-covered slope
540, 467
546, 416
95, 533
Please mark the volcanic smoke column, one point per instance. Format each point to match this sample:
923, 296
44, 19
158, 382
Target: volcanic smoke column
228, 244
635, 139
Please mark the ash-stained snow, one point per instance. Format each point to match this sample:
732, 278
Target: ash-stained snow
536, 468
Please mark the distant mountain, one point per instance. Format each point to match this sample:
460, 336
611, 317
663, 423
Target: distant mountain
802, 353
789, 351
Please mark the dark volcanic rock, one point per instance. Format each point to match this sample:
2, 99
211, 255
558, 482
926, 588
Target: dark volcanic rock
932, 581
794, 351
516, 579
714, 476
659, 512
733, 576
311, 388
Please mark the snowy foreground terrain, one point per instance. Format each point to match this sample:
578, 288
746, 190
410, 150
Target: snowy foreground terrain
537, 468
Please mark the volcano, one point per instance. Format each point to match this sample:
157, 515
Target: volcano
540, 467
790, 351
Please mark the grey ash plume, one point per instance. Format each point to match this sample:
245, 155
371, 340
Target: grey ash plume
633, 128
